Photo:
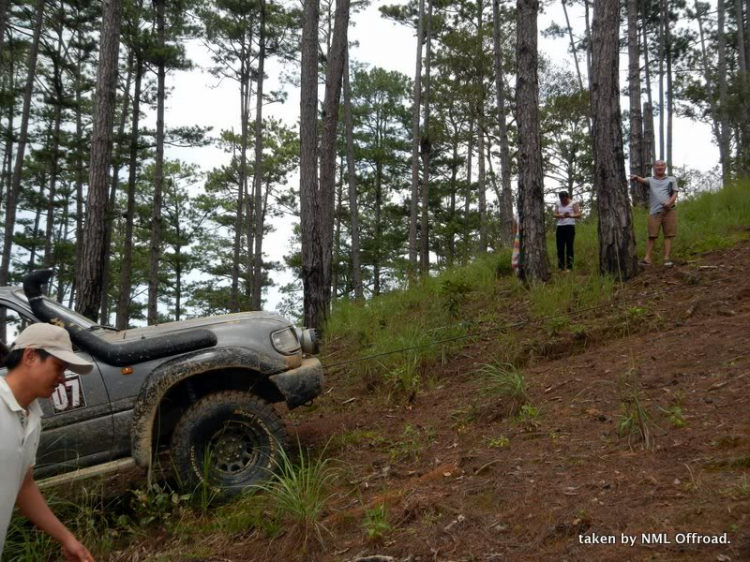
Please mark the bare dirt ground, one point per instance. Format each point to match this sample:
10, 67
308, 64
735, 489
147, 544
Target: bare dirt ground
465, 481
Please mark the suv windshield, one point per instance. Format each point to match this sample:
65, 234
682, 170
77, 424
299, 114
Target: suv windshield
65, 313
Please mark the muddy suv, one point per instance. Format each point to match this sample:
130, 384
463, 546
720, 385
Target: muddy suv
202, 388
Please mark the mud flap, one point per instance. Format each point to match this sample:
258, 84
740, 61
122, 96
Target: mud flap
300, 385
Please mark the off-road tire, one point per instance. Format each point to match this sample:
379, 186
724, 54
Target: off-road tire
242, 435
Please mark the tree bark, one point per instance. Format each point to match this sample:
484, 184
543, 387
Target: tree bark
467, 198
723, 96
416, 109
426, 149
91, 266
535, 262
649, 135
743, 147
617, 254
53, 164
669, 94
352, 177
123, 303
258, 179
15, 186
572, 43
662, 24
506, 199
309, 229
317, 272
481, 187
4, 6
634, 89
155, 244
111, 205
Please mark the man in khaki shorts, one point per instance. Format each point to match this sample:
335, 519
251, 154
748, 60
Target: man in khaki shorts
662, 214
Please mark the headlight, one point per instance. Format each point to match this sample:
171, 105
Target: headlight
285, 341
309, 341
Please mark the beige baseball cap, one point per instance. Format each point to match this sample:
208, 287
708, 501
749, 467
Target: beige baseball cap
55, 341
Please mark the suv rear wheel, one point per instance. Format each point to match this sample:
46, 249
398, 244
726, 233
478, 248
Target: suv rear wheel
230, 440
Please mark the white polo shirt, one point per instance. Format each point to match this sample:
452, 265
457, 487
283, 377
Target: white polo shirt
19, 439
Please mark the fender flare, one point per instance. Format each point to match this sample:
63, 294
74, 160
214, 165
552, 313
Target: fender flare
170, 373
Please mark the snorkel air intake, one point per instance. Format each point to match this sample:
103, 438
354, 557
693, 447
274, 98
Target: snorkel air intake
119, 355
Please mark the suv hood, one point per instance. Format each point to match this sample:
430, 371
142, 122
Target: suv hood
205, 322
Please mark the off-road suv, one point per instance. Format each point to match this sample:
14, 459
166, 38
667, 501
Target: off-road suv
203, 388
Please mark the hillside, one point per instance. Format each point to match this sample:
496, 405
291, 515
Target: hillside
582, 408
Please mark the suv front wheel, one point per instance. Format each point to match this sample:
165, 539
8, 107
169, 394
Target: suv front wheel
229, 440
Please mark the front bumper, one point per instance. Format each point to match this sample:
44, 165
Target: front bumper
299, 386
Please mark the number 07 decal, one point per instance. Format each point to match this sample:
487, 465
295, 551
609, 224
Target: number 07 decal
69, 395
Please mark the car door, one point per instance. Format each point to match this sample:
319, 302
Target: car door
77, 426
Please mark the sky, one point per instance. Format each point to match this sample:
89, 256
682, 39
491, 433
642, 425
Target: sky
198, 98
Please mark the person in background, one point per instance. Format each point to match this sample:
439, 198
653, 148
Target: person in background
36, 366
662, 214
566, 213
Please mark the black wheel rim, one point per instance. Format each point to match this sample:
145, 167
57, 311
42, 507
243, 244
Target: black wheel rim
236, 448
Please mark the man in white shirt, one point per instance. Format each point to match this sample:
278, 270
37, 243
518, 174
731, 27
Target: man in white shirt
36, 366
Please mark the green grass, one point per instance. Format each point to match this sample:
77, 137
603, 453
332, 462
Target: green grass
298, 492
464, 300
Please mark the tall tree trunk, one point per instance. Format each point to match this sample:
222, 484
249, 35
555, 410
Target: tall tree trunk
723, 96
378, 227
4, 7
649, 151
91, 265
634, 88
467, 198
123, 303
662, 41
426, 148
649, 140
60, 294
35, 231
352, 177
258, 179
506, 199
535, 262
318, 293
156, 219
7, 171
337, 232
616, 237
572, 42
481, 187
416, 108
723, 157
111, 210
15, 185
53, 166
670, 97
451, 258
743, 148
80, 172
53, 172
309, 231
587, 19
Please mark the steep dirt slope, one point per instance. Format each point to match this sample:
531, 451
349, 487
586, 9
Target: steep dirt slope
464, 481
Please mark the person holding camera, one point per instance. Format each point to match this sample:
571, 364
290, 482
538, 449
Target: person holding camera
566, 213
662, 214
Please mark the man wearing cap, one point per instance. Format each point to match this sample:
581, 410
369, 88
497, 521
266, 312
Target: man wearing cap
36, 366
